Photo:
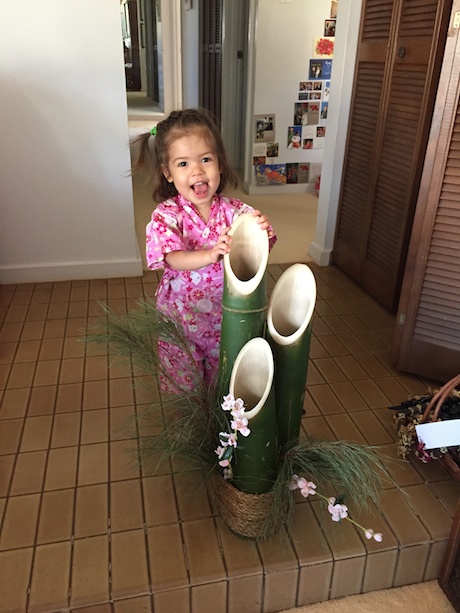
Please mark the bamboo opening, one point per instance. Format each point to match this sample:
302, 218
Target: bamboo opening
247, 261
291, 305
252, 375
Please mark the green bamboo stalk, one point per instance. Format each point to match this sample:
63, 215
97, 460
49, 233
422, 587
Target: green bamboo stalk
255, 460
244, 301
289, 316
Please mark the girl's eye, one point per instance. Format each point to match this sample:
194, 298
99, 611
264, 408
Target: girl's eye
206, 159
182, 164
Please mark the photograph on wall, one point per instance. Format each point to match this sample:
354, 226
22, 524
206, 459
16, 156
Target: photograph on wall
327, 89
319, 139
324, 109
320, 69
312, 117
270, 174
272, 150
264, 128
323, 47
258, 160
259, 149
315, 95
304, 96
308, 137
304, 172
305, 86
300, 113
334, 5
292, 173
329, 27
309, 132
294, 137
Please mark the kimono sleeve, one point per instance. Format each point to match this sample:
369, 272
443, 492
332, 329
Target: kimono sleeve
163, 235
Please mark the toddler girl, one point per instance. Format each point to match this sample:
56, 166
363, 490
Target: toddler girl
188, 235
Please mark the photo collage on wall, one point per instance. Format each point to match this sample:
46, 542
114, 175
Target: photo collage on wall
308, 127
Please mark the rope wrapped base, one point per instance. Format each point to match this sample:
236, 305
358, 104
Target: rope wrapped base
247, 515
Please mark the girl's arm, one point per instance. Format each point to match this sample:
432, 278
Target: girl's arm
193, 260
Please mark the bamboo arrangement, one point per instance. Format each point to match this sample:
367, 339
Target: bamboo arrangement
263, 365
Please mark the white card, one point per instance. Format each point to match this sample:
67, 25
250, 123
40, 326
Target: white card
439, 433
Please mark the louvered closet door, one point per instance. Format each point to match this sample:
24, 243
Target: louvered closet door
427, 337
396, 77
211, 56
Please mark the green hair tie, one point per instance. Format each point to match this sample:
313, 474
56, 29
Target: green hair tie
153, 131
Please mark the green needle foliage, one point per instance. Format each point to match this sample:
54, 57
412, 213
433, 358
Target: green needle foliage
187, 425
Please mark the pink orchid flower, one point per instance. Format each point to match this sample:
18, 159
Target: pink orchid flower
219, 451
229, 439
306, 488
337, 511
238, 404
227, 404
240, 424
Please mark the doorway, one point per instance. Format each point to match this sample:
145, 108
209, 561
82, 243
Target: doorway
141, 25
224, 48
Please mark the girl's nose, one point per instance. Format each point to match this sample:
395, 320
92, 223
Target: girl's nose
197, 168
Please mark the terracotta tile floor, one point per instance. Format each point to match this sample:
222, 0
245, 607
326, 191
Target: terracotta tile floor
83, 528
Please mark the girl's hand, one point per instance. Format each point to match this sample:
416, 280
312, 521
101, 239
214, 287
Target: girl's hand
262, 220
222, 246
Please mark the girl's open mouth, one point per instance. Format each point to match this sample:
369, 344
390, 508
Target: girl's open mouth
200, 188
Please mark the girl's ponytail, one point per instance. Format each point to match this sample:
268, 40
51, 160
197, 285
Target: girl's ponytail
142, 153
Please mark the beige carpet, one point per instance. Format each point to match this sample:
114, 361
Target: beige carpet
292, 215
419, 598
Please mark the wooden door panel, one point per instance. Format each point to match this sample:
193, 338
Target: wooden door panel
360, 149
377, 19
427, 337
397, 70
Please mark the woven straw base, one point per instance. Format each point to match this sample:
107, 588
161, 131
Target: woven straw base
248, 515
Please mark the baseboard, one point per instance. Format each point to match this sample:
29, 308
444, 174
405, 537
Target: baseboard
320, 256
70, 271
294, 188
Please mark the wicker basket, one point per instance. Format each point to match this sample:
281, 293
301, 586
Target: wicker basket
247, 515
431, 413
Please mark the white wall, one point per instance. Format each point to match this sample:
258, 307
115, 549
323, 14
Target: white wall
283, 45
67, 208
281, 38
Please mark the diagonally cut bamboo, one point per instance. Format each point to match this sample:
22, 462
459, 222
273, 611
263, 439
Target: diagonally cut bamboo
255, 462
244, 300
288, 331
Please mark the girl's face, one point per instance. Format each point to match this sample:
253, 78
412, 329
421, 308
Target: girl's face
193, 167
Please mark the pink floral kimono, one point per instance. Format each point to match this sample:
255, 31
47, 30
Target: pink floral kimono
193, 296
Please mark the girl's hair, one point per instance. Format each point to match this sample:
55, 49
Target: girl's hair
178, 124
